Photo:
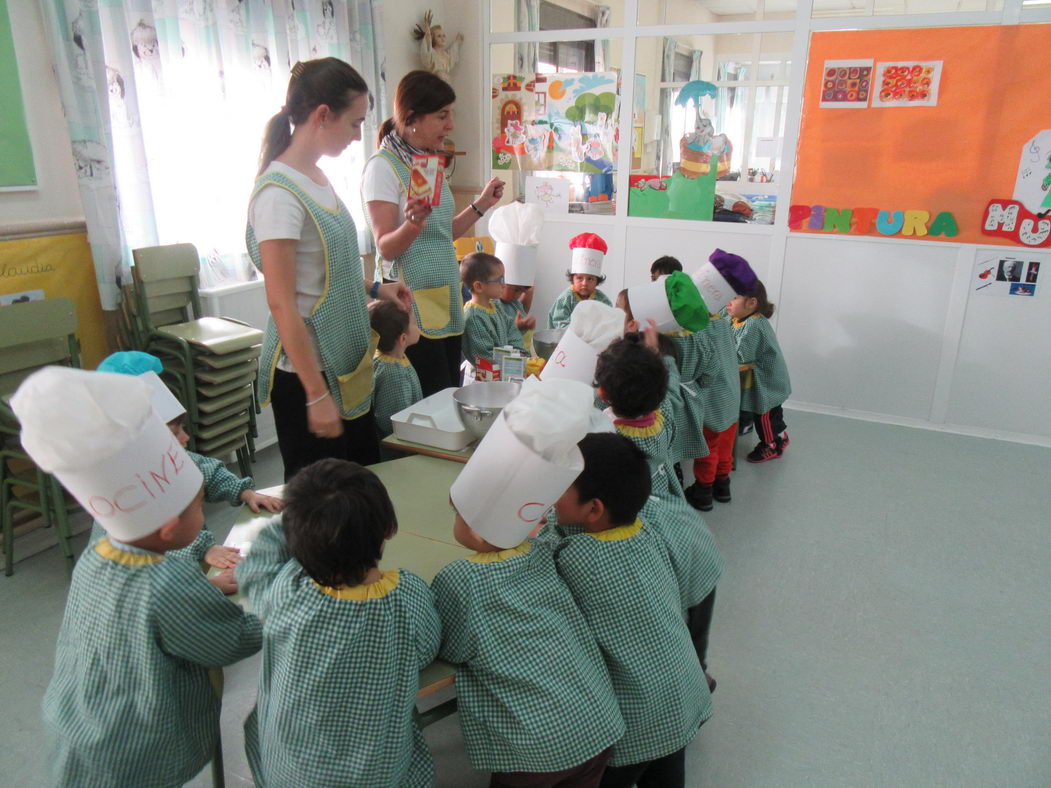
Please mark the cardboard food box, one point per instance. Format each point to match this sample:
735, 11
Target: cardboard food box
425, 179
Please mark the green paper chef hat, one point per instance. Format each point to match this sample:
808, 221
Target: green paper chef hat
685, 302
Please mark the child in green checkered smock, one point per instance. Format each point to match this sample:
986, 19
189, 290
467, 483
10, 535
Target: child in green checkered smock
507, 618
343, 641
619, 572
486, 325
759, 352
562, 308
395, 384
131, 701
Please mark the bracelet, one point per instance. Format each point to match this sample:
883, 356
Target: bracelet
316, 401
374, 290
475, 209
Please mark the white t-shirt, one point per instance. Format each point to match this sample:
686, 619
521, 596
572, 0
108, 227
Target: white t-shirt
276, 213
380, 182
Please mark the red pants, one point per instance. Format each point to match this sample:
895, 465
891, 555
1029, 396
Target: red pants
720, 459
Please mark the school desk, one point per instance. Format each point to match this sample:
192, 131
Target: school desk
408, 447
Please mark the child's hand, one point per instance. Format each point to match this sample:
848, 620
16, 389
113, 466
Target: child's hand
222, 557
257, 501
525, 323
224, 581
649, 336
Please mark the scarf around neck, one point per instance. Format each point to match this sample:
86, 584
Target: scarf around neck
397, 145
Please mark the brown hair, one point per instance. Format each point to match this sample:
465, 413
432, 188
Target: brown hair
477, 267
763, 307
326, 80
390, 321
419, 93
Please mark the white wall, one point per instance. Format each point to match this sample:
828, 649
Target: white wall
56, 200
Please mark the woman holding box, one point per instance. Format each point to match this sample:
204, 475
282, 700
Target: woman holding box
413, 236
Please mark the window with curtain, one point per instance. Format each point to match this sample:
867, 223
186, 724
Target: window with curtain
564, 56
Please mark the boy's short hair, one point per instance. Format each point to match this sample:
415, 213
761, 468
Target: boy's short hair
390, 321
337, 516
615, 472
632, 376
665, 265
477, 267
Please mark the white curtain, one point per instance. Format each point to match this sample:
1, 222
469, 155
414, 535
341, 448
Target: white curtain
695, 64
527, 18
602, 15
669, 147
166, 104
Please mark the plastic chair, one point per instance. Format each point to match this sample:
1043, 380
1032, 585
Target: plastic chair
478, 243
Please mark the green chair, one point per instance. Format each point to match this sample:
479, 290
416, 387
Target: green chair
34, 334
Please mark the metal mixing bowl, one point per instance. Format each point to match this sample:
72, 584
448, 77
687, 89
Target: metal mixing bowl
480, 403
545, 340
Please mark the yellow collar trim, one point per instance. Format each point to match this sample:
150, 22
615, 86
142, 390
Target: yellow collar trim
642, 432
392, 359
619, 533
106, 549
738, 323
489, 310
502, 555
363, 593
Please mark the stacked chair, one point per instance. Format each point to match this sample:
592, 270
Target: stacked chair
32, 335
210, 363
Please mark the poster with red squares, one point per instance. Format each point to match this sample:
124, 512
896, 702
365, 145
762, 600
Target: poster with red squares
846, 84
907, 84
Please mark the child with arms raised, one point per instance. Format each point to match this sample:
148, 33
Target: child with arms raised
395, 385
619, 572
585, 275
343, 640
485, 326
130, 701
535, 701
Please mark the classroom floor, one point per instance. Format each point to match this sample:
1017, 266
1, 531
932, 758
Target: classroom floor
883, 621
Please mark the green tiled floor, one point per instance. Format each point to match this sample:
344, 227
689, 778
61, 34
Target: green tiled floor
883, 621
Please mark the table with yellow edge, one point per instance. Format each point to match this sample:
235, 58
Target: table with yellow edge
419, 489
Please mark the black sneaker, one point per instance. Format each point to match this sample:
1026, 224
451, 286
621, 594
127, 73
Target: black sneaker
699, 496
763, 452
782, 442
721, 489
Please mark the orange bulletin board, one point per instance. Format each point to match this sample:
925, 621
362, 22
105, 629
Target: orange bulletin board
954, 157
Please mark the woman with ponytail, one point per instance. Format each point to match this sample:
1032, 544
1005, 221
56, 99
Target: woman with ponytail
413, 239
316, 364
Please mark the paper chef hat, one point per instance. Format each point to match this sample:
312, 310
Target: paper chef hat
98, 433
589, 250
724, 276
516, 229
592, 326
148, 367
672, 302
525, 462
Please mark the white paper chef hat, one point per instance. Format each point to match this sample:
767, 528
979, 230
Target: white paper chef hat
516, 229
99, 434
525, 462
672, 302
724, 276
592, 326
589, 250
148, 367
164, 402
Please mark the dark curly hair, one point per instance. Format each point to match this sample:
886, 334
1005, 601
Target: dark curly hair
632, 376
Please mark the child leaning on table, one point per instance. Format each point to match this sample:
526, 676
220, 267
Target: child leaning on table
343, 640
130, 701
619, 572
395, 384
535, 701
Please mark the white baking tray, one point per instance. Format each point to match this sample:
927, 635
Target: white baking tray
433, 421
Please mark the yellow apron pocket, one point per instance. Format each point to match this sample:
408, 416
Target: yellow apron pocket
432, 305
356, 387
747, 378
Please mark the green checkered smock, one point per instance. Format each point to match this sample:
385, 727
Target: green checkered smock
532, 688
720, 381
625, 586
130, 702
339, 677
757, 344
485, 329
689, 422
558, 316
691, 549
395, 386
656, 443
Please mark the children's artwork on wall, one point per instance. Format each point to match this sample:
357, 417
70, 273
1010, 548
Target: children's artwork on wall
846, 84
907, 84
562, 122
1004, 275
1033, 182
551, 194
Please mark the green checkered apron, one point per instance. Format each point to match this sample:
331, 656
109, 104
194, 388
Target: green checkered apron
340, 318
757, 344
689, 441
429, 266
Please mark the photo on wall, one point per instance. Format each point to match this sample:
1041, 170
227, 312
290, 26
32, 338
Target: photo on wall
1000, 275
846, 84
907, 84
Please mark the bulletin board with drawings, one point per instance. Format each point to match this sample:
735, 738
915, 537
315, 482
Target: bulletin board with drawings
901, 121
